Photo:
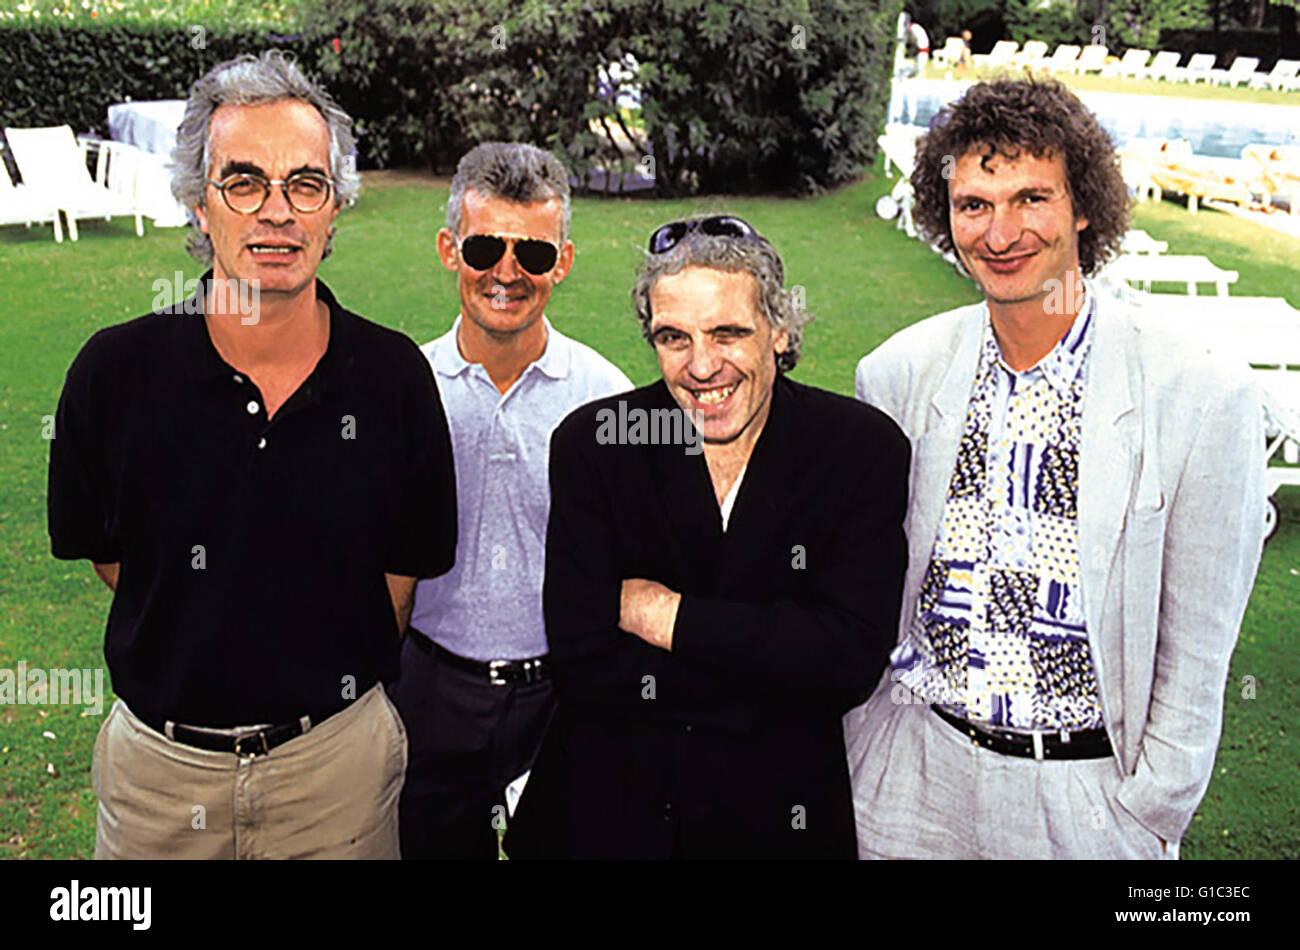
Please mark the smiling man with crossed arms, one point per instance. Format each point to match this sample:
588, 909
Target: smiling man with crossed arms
712, 615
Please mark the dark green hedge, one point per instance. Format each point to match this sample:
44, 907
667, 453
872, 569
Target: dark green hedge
757, 95
51, 75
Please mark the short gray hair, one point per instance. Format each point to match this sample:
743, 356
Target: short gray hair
511, 170
754, 256
248, 80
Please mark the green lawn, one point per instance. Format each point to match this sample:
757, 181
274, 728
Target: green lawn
863, 279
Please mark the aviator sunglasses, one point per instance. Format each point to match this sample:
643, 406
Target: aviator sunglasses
665, 238
482, 251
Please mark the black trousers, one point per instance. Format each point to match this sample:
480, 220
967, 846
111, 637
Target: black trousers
467, 740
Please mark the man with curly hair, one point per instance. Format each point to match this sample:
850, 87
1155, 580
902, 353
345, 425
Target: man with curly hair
1084, 526
711, 615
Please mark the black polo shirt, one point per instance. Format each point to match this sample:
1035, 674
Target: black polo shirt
252, 553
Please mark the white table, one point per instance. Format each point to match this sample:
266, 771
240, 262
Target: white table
1186, 269
150, 127
1139, 242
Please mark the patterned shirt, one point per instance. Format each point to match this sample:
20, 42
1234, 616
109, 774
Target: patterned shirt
999, 634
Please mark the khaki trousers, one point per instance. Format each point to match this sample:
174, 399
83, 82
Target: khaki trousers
329, 793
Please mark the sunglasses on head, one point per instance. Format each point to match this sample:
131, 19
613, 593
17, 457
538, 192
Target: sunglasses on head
482, 251
665, 238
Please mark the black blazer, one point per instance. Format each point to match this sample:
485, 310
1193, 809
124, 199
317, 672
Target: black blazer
730, 745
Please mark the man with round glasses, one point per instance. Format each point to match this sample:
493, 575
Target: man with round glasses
711, 616
475, 688
261, 495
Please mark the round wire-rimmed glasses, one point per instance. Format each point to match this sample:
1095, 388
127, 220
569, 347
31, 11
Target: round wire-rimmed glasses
245, 193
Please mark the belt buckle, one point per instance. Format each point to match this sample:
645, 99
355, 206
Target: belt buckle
494, 672
252, 753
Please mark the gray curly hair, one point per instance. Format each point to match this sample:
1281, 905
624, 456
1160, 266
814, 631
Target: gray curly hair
752, 255
247, 80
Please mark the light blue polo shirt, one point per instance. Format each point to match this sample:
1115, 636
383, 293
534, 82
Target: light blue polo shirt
489, 606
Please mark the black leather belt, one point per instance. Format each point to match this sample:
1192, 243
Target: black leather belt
1084, 744
246, 744
496, 672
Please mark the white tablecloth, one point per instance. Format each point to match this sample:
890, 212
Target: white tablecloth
147, 125
151, 127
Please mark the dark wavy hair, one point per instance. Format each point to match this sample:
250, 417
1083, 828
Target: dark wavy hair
1043, 118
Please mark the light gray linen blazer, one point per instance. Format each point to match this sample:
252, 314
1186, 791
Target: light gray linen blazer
1171, 526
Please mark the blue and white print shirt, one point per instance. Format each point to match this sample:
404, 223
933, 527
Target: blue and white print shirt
999, 633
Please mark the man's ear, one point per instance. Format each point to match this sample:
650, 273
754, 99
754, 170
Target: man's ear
565, 262
447, 252
202, 217
1080, 224
781, 340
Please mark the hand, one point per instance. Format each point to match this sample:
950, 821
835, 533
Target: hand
649, 610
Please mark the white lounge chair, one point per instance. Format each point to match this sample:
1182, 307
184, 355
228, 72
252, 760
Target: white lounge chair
1000, 56
1281, 76
53, 165
1092, 59
1132, 64
20, 205
1279, 170
140, 177
952, 52
1033, 56
898, 145
1198, 68
1241, 71
1064, 59
1163, 66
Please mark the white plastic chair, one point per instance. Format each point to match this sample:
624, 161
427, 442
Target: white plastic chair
1031, 57
1241, 70
1092, 59
1164, 66
1064, 59
1132, 64
952, 51
898, 145
1001, 55
54, 167
1198, 68
20, 205
1281, 76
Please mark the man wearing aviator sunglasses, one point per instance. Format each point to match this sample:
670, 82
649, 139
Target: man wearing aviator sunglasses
475, 689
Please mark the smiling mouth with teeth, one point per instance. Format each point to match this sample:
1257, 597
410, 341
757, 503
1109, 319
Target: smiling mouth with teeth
272, 248
711, 397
